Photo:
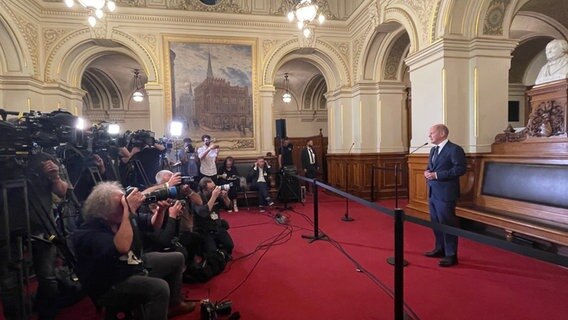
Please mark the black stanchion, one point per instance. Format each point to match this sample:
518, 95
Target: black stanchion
391, 260
399, 264
317, 234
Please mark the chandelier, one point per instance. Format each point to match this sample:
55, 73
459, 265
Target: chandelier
95, 8
305, 12
138, 95
286, 97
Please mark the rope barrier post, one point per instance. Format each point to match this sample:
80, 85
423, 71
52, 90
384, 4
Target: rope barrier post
317, 235
399, 264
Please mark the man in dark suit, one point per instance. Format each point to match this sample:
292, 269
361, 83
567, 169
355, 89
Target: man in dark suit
309, 161
445, 166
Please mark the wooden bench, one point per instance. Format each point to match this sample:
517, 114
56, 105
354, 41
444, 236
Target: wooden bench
246, 196
522, 195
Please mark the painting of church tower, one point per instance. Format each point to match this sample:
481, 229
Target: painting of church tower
213, 88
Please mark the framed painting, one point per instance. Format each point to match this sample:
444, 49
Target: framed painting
210, 89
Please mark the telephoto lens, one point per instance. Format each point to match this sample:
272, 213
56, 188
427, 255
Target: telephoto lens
226, 187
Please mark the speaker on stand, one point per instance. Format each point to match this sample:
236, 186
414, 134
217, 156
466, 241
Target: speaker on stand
281, 128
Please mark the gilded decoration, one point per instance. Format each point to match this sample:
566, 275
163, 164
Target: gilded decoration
493, 22
210, 86
99, 31
342, 48
131, 3
226, 6
268, 45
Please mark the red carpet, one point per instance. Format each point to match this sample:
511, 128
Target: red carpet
297, 280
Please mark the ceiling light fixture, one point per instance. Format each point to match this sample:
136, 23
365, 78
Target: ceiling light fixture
286, 97
305, 12
138, 95
95, 8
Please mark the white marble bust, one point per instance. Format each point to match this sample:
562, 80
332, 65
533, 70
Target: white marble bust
557, 66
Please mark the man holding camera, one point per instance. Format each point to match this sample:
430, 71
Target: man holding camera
189, 159
110, 263
208, 156
206, 219
259, 178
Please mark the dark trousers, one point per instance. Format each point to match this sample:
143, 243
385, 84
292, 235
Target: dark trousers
162, 286
262, 188
220, 239
310, 173
444, 213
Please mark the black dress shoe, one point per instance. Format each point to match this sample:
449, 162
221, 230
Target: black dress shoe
434, 254
448, 261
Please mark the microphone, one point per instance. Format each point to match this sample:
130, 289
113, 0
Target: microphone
418, 148
351, 148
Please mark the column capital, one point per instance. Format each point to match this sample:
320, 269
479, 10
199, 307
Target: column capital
461, 49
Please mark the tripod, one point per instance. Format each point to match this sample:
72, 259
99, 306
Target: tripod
285, 190
134, 172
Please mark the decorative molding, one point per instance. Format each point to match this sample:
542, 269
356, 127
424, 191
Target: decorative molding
242, 144
357, 47
424, 10
373, 15
343, 48
150, 40
493, 22
268, 45
224, 6
31, 35
307, 42
100, 30
131, 3
547, 119
285, 6
50, 36
60, 43
433, 24
509, 135
395, 57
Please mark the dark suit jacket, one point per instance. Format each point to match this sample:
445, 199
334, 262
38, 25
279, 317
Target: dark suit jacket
306, 160
254, 172
450, 165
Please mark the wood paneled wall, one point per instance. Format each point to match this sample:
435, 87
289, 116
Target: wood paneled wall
418, 190
360, 171
298, 143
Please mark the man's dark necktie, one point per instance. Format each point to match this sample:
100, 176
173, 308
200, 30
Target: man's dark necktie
435, 154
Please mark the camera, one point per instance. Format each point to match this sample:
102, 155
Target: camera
164, 193
226, 187
210, 311
187, 179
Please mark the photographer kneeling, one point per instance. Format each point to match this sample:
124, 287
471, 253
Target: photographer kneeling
175, 234
206, 219
109, 249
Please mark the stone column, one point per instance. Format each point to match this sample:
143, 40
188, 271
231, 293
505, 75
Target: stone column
265, 131
158, 118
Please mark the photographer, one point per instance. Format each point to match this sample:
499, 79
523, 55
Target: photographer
228, 174
43, 179
109, 249
206, 219
189, 159
208, 156
178, 228
260, 180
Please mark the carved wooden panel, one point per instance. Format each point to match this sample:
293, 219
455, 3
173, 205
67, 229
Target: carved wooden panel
360, 174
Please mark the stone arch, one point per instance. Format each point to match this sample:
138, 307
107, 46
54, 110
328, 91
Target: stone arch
13, 58
384, 59
324, 57
71, 55
405, 16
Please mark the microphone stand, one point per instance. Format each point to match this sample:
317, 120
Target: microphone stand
346, 217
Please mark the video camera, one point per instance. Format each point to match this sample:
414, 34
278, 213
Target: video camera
34, 128
140, 138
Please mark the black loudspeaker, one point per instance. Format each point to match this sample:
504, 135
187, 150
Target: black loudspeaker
281, 128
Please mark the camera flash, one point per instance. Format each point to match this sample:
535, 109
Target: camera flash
113, 128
